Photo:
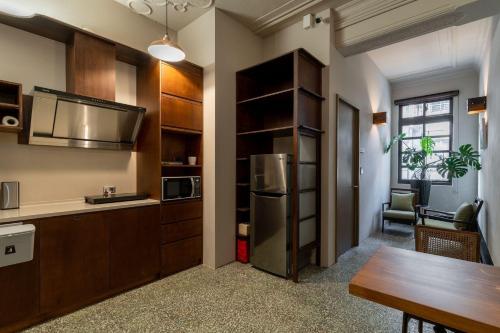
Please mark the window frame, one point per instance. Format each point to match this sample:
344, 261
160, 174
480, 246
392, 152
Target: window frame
424, 120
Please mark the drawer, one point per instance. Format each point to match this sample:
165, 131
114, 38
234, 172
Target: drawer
181, 211
181, 230
181, 255
181, 113
182, 80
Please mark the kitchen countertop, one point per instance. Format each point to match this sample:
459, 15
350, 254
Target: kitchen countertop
30, 212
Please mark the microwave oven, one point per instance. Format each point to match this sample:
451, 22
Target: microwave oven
180, 188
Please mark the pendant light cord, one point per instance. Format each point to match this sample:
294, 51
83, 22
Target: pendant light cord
166, 18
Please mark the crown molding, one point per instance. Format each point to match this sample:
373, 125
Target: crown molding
356, 11
396, 20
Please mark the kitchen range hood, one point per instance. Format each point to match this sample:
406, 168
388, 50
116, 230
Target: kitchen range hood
67, 120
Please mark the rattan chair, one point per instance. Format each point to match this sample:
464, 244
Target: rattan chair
440, 237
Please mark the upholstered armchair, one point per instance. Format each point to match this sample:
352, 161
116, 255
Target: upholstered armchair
402, 208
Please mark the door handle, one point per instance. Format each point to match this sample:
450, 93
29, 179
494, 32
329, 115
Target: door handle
355, 187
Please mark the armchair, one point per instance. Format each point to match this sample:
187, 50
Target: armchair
395, 213
446, 234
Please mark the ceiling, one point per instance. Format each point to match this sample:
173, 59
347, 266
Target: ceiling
261, 16
442, 51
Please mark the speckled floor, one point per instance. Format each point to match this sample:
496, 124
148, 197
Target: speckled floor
238, 298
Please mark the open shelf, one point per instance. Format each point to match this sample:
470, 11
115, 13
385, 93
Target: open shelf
312, 93
10, 129
166, 165
169, 129
243, 209
9, 106
275, 131
243, 184
266, 96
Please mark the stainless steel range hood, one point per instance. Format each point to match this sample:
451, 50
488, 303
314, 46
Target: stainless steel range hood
63, 119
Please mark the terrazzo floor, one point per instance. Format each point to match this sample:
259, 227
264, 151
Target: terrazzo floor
239, 298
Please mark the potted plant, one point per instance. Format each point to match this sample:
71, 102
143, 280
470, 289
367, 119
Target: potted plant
418, 161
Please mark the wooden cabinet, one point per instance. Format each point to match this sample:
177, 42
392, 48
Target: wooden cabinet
181, 113
181, 255
74, 260
180, 211
134, 256
183, 80
181, 230
19, 296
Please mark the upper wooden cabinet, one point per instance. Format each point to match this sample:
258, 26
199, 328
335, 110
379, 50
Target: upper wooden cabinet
91, 67
182, 80
181, 113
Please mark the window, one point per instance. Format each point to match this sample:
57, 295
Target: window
426, 116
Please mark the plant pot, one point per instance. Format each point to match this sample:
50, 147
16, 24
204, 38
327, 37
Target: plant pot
424, 187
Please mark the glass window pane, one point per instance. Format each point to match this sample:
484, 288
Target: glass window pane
413, 110
406, 174
410, 143
441, 128
413, 130
434, 175
436, 157
436, 108
442, 143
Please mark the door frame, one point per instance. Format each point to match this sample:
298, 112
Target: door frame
355, 239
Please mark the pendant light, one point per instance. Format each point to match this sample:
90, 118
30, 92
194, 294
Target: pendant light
166, 49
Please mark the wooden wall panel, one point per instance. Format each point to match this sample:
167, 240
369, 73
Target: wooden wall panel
91, 67
181, 113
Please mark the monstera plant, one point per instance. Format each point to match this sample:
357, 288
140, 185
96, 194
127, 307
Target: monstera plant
419, 161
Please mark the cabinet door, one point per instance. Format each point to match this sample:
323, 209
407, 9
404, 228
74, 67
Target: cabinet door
19, 293
182, 80
74, 260
177, 112
134, 255
181, 255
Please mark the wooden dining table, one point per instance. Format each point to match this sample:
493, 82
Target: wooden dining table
457, 294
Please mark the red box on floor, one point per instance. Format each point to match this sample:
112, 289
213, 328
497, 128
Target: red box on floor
242, 250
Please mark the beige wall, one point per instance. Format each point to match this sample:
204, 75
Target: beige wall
358, 80
489, 177
105, 18
53, 173
465, 130
206, 42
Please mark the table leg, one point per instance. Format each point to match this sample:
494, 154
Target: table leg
404, 329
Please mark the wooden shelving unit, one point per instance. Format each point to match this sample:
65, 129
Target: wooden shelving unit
279, 106
172, 131
11, 104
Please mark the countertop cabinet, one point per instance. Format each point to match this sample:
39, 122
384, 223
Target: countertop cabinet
19, 296
134, 254
74, 260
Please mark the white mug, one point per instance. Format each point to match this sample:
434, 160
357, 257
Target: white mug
192, 160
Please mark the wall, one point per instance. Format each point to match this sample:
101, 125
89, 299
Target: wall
52, 173
465, 130
358, 80
198, 40
105, 18
489, 177
205, 41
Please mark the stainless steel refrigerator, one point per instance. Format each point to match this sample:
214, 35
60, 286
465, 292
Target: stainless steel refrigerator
270, 213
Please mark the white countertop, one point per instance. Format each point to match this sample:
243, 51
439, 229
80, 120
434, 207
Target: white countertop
30, 212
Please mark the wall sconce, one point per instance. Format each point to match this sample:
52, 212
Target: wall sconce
379, 118
476, 105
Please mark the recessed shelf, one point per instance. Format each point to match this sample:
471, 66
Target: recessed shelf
243, 184
11, 129
242, 159
275, 130
243, 209
312, 93
4, 106
273, 94
311, 129
177, 130
166, 165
